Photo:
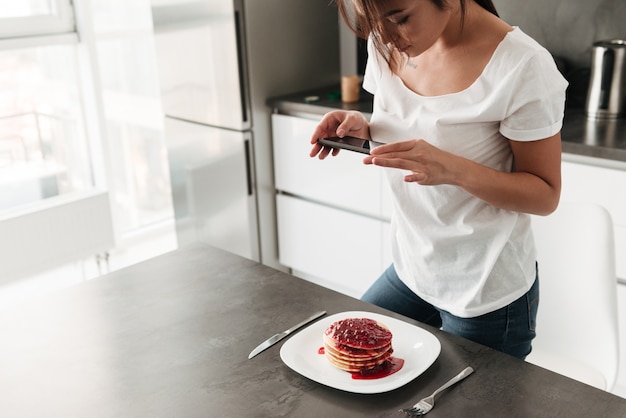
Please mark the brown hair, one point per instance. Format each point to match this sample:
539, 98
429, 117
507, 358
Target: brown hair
365, 20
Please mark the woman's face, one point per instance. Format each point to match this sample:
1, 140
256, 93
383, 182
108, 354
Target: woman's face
413, 26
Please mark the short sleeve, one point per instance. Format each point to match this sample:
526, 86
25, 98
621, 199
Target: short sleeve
536, 108
372, 68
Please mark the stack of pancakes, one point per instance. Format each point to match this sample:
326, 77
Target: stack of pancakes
357, 345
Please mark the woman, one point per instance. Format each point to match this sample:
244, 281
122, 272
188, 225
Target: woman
466, 123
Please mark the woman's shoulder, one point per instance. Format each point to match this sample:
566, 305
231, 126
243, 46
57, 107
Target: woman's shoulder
517, 44
519, 52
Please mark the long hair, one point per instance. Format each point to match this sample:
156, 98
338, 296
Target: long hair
362, 17
485, 4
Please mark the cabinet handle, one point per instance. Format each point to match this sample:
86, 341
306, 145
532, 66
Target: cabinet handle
246, 145
243, 90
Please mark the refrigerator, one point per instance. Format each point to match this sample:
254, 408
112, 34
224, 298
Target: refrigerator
218, 63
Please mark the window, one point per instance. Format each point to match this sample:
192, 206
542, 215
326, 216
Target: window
43, 152
35, 17
43, 147
82, 114
52, 84
133, 119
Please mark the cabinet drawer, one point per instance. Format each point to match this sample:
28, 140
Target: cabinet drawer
341, 249
342, 181
603, 186
600, 185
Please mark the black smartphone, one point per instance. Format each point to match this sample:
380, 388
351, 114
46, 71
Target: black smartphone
347, 142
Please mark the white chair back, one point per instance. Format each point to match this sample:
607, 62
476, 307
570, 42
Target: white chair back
577, 330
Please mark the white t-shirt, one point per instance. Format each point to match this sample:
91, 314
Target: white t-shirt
450, 248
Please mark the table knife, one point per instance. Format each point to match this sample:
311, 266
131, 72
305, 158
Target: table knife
277, 337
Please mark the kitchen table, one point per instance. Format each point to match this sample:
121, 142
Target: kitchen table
170, 337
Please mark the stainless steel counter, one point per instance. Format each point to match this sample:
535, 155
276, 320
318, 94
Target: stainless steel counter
602, 141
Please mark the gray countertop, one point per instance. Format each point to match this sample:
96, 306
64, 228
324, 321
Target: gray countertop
169, 337
602, 140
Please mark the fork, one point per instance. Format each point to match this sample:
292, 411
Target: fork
425, 405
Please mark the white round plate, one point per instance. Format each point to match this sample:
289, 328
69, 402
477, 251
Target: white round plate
416, 346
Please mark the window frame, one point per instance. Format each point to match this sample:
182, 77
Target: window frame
60, 21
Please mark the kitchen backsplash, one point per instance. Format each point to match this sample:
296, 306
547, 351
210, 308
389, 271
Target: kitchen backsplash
568, 28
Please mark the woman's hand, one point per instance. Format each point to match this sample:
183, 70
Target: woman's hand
338, 123
428, 164
534, 185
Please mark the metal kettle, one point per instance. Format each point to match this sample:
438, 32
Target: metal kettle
606, 97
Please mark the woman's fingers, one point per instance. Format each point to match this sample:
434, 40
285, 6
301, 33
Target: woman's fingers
401, 163
336, 123
388, 150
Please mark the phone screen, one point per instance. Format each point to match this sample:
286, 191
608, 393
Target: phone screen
347, 142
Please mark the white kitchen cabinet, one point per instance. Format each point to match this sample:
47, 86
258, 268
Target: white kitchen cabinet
342, 181
583, 182
332, 216
334, 248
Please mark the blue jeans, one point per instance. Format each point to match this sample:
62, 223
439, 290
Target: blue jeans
510, 329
